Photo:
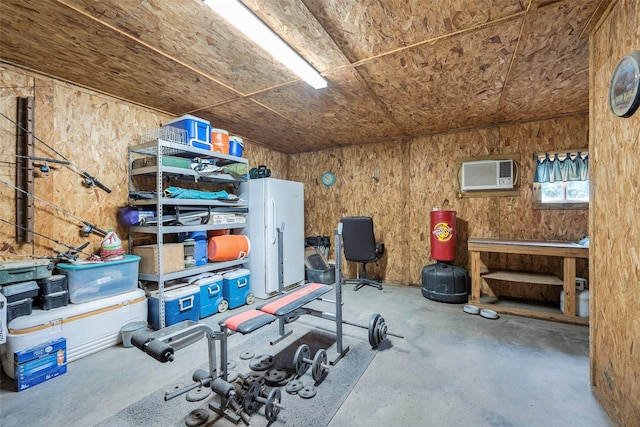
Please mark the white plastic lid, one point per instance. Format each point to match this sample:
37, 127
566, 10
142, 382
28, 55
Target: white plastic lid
236, 273
186, 117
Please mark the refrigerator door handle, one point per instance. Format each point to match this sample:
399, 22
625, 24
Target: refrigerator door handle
273, 218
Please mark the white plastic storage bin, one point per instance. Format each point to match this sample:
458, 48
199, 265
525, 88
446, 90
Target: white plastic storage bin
88, 327
180, 303
90, 282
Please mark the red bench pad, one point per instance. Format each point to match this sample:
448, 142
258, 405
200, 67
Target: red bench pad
248, 321
292, 301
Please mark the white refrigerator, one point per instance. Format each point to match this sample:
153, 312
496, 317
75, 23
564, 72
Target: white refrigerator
274, 204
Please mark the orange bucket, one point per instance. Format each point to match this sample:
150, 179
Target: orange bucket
228, 248
220, 141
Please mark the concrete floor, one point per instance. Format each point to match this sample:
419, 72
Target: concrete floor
451, 369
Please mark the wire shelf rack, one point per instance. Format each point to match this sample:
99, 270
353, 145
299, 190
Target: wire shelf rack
165, 133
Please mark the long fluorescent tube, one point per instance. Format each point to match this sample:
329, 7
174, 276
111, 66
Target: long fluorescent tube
244, 20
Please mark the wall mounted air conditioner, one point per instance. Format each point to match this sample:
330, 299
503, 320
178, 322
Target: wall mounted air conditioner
487, 175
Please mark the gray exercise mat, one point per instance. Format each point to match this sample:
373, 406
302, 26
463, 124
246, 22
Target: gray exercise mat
152, 410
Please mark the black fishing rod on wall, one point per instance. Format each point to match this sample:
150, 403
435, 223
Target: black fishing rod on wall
89, 180
71, 254
87, 228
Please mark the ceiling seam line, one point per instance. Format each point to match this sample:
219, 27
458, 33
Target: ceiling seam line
147, 45
85, 87
429, 41
507, 78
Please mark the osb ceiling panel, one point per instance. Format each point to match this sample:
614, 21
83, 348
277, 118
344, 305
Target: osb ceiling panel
396, 68
452, 82
365, 29
561, 63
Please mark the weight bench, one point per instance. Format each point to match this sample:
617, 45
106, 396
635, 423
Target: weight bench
283, 306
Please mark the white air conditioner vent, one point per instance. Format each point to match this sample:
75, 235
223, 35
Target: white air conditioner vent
487, 175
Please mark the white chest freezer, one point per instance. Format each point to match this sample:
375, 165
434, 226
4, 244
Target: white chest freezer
87, 327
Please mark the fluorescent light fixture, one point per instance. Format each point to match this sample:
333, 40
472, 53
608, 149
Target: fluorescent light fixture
246, 21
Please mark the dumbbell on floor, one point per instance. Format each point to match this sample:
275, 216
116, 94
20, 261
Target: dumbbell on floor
272, 406
302, 361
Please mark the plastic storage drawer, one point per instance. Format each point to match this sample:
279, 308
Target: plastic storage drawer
55, 300
90, 282
53, 284
21, 271
19, 291
236, 287
19, 308
180, 303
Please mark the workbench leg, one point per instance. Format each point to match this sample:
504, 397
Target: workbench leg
569, 276
475, 276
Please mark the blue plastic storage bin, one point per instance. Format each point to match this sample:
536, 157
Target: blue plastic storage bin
198, 130
180, 303
211, 300
236, 287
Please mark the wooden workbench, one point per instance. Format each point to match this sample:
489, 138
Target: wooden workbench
568, 251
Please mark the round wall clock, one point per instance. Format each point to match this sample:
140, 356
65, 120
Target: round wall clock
624, 89
328, 179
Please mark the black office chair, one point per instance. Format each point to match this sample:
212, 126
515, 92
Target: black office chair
360, 245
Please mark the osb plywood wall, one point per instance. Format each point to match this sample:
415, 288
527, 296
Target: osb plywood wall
93, 131
418, 175
615, 244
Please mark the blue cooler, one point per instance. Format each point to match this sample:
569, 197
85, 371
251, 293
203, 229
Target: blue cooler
180, 303
236, 287
198, 130
211, 300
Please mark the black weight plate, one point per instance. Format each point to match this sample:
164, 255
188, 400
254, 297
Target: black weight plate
275, 376
197, 417
232, 376
262, 362
198, 394
318, 368
246, 355
373, 334
299, 363
251, 403
308, 392
271, 410
294, 386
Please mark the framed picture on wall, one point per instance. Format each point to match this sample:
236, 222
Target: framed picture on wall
624, 89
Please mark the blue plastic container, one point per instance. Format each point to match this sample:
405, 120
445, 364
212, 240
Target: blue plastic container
180, 303
198, 130
211, 300
236, 146
200, 255
236, 287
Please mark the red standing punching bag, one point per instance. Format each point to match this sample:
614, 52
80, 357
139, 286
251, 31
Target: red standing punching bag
443, 237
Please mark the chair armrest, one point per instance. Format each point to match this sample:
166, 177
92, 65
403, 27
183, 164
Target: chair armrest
379, 248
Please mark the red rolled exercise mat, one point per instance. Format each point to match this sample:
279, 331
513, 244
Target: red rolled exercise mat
443, 237
228, 248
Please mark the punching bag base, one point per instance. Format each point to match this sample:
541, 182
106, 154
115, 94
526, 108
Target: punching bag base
444, 282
